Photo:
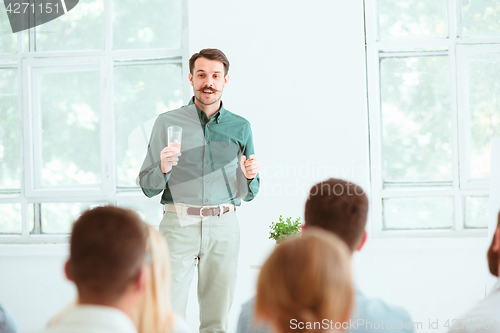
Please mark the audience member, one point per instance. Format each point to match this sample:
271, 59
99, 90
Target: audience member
299, 291
484, 317
106, 263
154, 312
341, 207
7, 322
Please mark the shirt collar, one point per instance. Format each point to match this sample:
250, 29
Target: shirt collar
96, 316
218, 115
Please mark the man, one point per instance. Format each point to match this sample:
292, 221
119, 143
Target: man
106, 262
341, 207
484, 317
201, 187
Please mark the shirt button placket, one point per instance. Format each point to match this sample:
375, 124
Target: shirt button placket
206, 171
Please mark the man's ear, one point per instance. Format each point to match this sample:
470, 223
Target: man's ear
363, 241
142, 279
191, 79
262, 315
302, 228
67, 271
226, 80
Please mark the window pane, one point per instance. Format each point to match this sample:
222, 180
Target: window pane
70, 128
412, 19
10, 160
416, 121
82, 28
418, 213
58, 218
150, 211
480, 18
147, 24
477, 211
484, 114
141, 94
11, 218
8, 40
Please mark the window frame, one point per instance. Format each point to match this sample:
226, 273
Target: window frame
32, 68
464, 54
453, 47
26, 60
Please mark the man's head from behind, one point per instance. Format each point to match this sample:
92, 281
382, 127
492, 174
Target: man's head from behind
107, 251
340, 207
494, 250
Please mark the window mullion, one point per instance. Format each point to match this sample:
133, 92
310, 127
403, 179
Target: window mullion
25, 217
453, 20
37, 230
27, 150
458, 201
186, 91
22, 139
459, 212
107, 134
461, 81
371, 21
20, 44
32, 34
36, 129
108, 26
456, 15
374, 117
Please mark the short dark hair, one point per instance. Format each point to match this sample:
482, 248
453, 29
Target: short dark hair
340, 207
107, 250
210, 54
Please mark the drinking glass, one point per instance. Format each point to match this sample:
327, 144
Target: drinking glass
174, 137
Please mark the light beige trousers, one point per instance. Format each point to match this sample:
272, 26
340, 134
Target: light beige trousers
211, 245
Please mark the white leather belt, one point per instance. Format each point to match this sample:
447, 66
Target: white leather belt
202, 211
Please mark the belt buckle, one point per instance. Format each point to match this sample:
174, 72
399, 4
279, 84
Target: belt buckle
201, 210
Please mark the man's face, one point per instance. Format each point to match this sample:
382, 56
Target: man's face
208, 80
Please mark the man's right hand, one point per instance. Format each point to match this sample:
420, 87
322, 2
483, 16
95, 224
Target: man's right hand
169, 157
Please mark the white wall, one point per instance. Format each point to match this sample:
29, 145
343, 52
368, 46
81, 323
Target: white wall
32, 283
298, 75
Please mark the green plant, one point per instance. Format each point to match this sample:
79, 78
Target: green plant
284, 228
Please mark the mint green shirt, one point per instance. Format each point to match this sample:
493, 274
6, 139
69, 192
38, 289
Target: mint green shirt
208, 172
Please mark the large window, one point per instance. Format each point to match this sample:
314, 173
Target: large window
78, 98
433, 91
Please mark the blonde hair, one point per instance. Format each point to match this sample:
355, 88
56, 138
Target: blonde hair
307, 279
153, 313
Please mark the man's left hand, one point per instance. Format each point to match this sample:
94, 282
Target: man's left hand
250, 167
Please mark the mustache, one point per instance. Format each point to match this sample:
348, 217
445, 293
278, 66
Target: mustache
209, 88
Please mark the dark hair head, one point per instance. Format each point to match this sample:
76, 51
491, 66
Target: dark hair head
338, 206
210, 54
107, 250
